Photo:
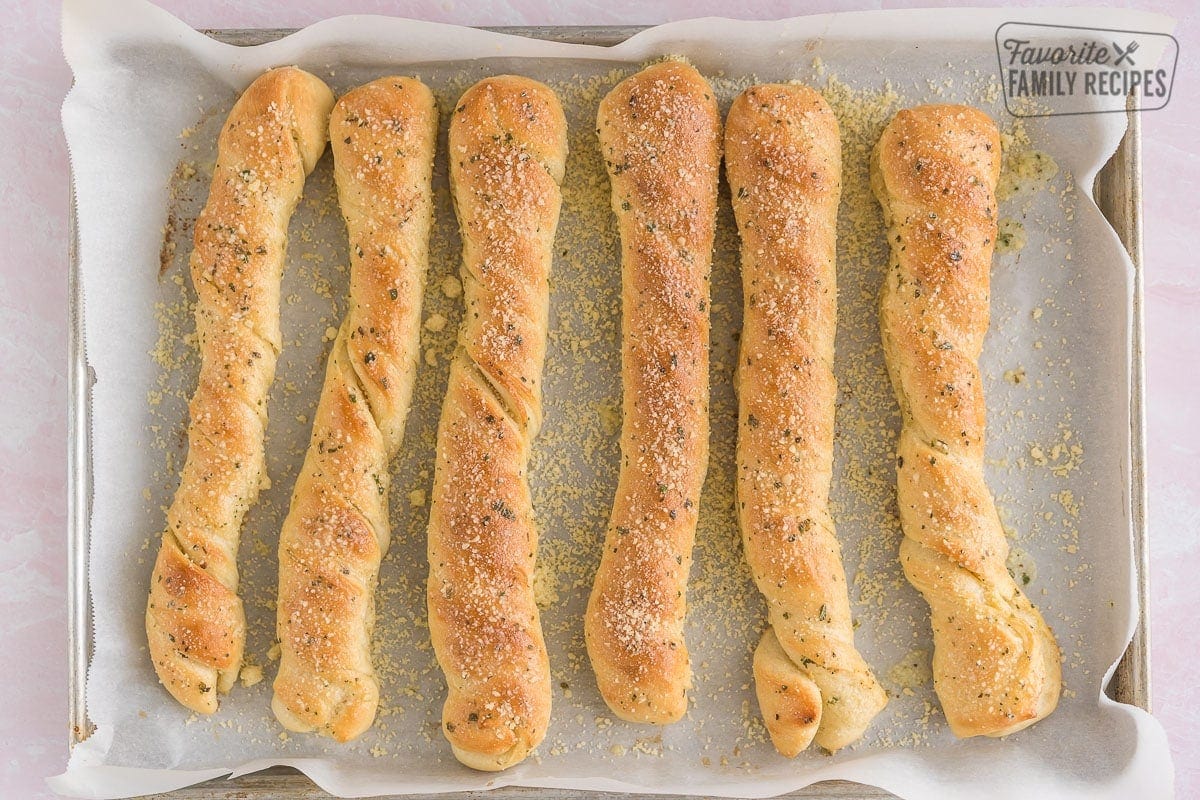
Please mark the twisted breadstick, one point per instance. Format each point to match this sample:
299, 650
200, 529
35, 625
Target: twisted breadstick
995, 663
194, 620
508, 150
660, 134
783, 160
383, 136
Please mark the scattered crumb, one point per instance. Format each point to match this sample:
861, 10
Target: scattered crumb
1024, 171
1021, 566
610, 418
912, 671
1010, 236
251, 674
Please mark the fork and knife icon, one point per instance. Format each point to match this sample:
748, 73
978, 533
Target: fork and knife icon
1126, 54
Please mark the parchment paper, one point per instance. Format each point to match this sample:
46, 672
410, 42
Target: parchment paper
141, 122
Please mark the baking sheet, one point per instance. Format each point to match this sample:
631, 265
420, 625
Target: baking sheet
1082, 333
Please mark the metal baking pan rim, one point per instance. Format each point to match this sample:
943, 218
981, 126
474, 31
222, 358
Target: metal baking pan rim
1117, 191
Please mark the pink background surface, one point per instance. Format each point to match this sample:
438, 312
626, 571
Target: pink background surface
33, 344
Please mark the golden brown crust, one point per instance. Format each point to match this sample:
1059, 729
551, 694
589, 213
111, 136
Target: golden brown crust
789, 698
507, 152
660, 137
194, 620
383, 136
996, 664
783, 160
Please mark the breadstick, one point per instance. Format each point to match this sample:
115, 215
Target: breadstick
383, 136
273, 138
995, 663
783, 161
660, 134
508, 147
